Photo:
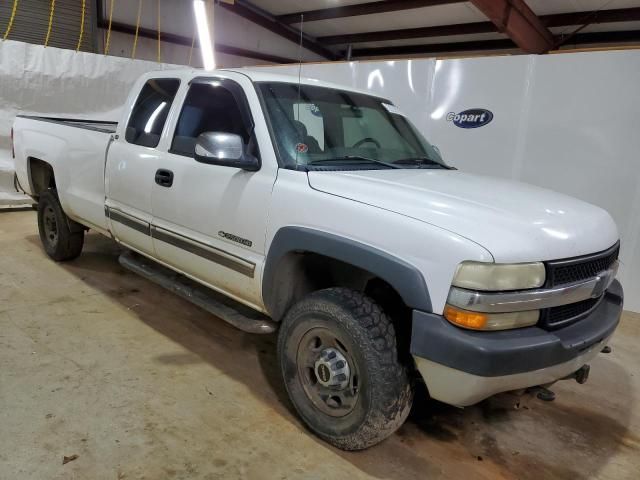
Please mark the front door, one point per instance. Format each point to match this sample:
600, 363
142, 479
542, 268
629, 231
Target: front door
210, 222
132, 163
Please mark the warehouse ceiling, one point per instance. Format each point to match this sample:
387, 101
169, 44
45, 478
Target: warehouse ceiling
339, 29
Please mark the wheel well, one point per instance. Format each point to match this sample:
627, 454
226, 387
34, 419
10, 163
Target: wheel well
300, 273
41, 176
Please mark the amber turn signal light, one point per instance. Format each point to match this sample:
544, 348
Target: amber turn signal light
465, 318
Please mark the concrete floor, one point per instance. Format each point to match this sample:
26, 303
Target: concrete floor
99, 363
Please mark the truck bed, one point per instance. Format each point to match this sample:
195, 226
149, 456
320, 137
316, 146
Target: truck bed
76, 150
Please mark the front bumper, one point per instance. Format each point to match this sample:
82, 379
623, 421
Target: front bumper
462, 367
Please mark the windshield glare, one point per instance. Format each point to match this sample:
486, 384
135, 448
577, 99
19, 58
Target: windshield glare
323, 125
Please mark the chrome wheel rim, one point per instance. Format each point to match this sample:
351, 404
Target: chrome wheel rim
330, 377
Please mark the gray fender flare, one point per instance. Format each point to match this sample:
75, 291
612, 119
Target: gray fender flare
402, 276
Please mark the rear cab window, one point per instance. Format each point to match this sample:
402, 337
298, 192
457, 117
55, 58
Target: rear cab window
150, 111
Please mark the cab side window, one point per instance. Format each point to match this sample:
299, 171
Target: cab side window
150, 111
208, 107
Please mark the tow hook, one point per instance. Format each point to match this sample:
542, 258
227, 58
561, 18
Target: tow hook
582, 374
542, 393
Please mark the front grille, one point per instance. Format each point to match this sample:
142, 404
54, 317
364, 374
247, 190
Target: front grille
563, 272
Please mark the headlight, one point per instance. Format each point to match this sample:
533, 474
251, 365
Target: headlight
499, 276
490, 321
492, 277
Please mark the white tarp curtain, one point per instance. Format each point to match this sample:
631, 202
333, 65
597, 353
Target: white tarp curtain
568, 122
52, 81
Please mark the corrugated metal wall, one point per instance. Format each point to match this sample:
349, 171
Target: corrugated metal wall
32, 19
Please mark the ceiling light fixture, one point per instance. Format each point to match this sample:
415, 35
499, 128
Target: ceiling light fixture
204, 35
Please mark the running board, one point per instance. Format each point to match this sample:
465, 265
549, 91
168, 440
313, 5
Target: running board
238, 315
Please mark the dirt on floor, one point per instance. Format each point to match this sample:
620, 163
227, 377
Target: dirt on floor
104, 375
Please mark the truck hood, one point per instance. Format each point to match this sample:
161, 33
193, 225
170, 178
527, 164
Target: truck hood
516, 222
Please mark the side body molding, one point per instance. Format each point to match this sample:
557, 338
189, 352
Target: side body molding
402, 276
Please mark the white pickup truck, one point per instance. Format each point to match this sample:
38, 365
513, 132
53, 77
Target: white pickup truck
320, 211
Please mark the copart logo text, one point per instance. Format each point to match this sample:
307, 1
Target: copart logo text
471, 118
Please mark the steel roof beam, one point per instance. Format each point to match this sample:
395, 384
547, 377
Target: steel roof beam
483, 45
263, 18
358, 9
555, 20
519, 23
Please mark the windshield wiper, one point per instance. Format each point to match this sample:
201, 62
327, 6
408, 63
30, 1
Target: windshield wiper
353, 157
421, 161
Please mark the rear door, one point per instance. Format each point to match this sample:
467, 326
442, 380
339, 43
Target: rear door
210, 222
132, 164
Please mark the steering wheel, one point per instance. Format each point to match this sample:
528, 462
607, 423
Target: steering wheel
367, 140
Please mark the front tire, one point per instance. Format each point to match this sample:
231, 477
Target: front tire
339, 360
61, 237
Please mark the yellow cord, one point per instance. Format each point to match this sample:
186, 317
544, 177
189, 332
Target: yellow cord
53, 7
108, 42
81, 26
13, 15
159, 56
135, 38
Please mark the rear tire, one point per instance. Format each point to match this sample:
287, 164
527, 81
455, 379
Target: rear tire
362, 394
61, 237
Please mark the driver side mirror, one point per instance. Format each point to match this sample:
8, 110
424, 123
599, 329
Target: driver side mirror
225, 149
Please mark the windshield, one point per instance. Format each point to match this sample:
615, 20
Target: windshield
316, 126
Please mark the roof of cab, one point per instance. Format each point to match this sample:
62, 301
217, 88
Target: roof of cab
261, 75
